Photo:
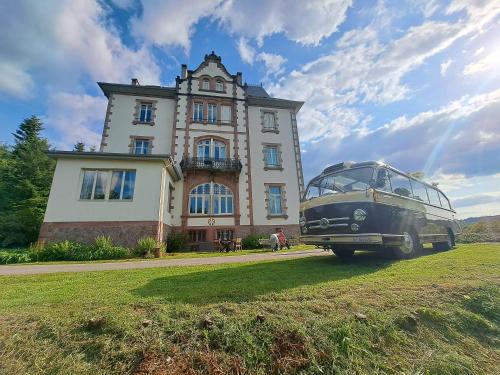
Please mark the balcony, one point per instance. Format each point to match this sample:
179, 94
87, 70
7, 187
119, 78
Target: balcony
210, 164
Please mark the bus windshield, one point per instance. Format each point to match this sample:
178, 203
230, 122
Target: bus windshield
340, 182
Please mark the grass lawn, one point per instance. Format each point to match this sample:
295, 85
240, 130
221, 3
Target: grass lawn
437, 314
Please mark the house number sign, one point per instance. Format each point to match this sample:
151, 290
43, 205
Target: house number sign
211, 221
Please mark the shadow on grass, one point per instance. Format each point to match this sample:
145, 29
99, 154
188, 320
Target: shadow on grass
238, 283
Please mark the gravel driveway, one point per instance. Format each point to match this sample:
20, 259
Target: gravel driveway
85, 267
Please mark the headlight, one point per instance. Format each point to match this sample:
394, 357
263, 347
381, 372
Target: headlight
359, 214
302, 221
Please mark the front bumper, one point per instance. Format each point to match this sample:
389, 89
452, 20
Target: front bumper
353, 239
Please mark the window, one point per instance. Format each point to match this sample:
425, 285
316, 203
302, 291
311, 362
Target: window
312, 190
224, 234
271, 156
141, 146
211, 149
211, 198
206, 84
275, 201
122, 185
212, 113
94, 185
382, 182
445, 203
197, 235
226, 114
198, 112
400, 185
170, 197
433, 196
357, 179
269, 121
219, 86
419, 191
145, 113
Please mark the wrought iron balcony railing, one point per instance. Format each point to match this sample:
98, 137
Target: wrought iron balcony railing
211, 164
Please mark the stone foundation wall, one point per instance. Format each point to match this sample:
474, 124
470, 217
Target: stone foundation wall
124, 233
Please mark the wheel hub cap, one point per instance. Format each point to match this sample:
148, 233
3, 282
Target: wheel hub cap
407, 244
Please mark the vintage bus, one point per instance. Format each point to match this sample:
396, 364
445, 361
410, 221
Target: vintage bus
373, 206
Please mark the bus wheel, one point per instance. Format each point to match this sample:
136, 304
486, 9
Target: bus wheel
410, 247
444, 246
343, 252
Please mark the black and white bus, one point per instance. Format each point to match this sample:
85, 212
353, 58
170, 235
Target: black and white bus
373, 206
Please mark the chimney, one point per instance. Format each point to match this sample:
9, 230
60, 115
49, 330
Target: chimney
184, 71
135, 82
239, 78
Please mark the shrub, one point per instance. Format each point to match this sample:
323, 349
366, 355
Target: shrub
14, 256
252, 242
105, 249
145, 247
67, 250
176, 241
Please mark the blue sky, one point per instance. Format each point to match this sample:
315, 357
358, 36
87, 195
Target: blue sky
411, 82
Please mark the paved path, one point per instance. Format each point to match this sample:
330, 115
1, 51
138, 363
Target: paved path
82, 267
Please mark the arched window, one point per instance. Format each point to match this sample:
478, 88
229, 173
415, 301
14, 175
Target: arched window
211, 149
206, 84
210, 199
219, 86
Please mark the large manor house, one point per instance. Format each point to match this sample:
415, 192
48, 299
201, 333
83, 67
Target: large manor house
212, 157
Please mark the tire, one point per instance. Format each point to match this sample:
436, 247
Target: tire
411, 246
343, 252
445, 246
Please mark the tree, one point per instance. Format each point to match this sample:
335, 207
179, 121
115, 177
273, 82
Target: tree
26, 175
79, 147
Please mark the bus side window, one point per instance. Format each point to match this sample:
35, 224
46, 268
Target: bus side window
400, 185
445, 203
433, 196
419, 191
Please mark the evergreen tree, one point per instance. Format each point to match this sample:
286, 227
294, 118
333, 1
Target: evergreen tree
79, 147
26, 174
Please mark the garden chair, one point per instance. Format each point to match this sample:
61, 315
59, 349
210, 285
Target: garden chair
238, 244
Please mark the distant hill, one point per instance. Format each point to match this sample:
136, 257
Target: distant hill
472, 220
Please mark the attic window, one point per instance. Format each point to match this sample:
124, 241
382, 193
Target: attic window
206, 84
219, 86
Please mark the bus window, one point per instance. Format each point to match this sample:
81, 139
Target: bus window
433, 196
382, 182
445, 203
312, 190
419, 191
400, 185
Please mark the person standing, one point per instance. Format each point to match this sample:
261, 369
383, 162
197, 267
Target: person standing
274, 242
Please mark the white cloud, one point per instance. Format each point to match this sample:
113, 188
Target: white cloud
490, 62
63, 42
444, 66
273, 62
76, 118
246, 51
303, 22
170, 23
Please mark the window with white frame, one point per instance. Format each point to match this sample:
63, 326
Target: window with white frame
269, 121
210, 199
206, 84
95, 185
122, 185
275, 197
271, 154
212, 113
226, 114
145, 112
141, 146
211, 149
198, 112
219, 86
